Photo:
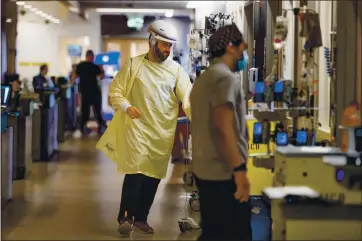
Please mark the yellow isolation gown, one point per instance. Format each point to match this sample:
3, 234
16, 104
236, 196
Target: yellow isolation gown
144, 145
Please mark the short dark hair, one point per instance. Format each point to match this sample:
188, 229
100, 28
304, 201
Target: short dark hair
43, 67
220, 52
89, 53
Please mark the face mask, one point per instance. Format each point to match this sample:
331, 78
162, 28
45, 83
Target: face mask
243, 62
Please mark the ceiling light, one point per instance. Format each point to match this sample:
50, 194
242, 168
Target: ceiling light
9, 20
27, 6
33, 9
56, 21
169, 14
38, 12
132, 10
20, 3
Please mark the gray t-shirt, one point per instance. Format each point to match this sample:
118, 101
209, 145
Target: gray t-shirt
218, 85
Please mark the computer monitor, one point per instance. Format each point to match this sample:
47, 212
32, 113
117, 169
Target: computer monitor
302, 138
282, 138
258, 133
5, 95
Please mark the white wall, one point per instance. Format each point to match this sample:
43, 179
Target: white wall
288, 62
36, 43
40, 43
324, 8
236, 9
204, 9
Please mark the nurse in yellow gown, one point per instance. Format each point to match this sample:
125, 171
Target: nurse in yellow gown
139, 139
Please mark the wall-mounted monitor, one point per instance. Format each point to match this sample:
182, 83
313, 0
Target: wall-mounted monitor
74, 50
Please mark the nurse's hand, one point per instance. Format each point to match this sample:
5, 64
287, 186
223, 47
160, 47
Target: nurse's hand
133, 112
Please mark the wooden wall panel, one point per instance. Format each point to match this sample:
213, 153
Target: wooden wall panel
359, 54
346, 58
10, 10
128, 47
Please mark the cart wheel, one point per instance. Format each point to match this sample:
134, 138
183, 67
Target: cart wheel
188, 179
182, 227
194, 204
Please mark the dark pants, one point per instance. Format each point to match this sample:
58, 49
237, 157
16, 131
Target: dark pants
89, 100
222, 216
138, 193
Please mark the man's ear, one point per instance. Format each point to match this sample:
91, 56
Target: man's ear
229, 49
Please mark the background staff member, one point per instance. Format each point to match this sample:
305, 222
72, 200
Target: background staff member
90, 92
220, 142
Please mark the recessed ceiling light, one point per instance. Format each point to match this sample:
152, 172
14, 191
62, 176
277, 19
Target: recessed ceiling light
33, 9
20, 3
27, 6
38, 12
169, 14
9, 20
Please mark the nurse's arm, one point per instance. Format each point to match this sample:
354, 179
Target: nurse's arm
223, 104
118, 87
183, 90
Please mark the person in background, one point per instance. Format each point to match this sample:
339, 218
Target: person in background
40, 81
15, 93
145, 93
220, 140
90, 92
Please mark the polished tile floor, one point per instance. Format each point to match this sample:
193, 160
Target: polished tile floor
77, 198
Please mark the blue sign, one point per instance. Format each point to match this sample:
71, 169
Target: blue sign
74, 50
110, 58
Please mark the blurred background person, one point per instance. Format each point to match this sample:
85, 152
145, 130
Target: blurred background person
90, 93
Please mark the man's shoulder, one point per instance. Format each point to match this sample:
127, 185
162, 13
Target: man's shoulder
138, 57
219, 69
216, 72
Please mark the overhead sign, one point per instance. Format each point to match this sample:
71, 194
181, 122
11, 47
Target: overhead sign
135, 22
32, 64
110, 58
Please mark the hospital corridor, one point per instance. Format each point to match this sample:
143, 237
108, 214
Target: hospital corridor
76, 197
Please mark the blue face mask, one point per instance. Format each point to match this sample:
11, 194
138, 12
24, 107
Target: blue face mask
243, 62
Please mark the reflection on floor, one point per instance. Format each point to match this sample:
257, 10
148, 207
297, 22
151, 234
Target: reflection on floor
77, 198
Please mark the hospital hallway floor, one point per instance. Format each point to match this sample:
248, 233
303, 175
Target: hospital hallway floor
76, 197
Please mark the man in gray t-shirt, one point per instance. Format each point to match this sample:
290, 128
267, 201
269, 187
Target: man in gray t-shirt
220, 140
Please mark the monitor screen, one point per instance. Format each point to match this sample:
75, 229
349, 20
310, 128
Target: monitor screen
282, 139
302, 137
278, 87
5, 95
358, 132
258, 128
259, 87
74, 50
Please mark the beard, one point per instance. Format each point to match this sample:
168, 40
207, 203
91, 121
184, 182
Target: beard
161, 56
